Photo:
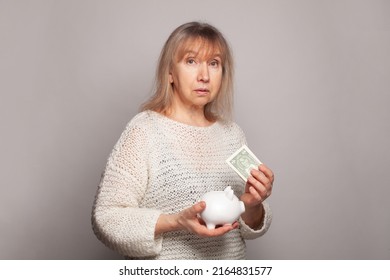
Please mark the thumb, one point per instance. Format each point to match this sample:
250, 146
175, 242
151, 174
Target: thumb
198, 208
247, 186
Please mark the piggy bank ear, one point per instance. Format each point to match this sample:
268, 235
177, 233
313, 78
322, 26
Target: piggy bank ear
229, 192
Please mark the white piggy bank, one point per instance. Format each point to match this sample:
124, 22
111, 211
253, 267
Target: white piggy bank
222, 207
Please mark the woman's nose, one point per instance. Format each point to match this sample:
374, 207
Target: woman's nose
203, 74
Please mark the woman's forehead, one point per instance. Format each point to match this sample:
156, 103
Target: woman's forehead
199, 47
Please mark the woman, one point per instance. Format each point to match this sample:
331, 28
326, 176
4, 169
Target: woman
173, 152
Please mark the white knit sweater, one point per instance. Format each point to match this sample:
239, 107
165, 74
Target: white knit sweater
162, 166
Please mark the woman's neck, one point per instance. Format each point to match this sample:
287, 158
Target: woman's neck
191, 116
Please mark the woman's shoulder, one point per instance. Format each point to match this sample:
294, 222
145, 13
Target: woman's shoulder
149, 122
138, 125
141, 119
231, 130
231, 126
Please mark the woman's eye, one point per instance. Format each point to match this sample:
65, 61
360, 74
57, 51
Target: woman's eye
191, 61
214, 63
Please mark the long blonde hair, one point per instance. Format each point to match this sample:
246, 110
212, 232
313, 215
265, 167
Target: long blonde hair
218, 109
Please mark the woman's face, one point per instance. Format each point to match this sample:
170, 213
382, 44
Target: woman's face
196, 77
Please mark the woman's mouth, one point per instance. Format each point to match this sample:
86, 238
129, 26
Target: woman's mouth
202, 91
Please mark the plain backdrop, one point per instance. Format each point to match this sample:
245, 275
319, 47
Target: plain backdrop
312, 93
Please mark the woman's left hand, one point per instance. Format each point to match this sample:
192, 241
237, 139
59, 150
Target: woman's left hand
258, 186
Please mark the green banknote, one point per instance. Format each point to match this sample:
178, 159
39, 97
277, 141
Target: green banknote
243, 161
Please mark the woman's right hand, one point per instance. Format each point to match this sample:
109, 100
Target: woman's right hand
189, 220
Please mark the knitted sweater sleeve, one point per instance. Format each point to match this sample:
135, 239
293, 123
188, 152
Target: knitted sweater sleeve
117, 219
246, 231
249, 233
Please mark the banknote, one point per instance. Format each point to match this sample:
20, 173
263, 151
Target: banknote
243, 161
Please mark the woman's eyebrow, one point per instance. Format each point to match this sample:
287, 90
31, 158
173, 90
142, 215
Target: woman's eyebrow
209, 56
187, 53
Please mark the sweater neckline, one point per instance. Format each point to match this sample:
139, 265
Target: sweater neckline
181, 124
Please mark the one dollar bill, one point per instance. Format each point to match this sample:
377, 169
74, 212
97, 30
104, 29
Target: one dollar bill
243, 161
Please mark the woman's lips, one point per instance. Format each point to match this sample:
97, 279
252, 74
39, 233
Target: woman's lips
202, 91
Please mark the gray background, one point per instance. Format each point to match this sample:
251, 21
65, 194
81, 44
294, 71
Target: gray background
312, 94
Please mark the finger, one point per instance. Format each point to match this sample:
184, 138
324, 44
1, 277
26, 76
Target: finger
218, 231
257, 186
247, 186
203, 231
196, 209
268, 172
262, 178
257, 195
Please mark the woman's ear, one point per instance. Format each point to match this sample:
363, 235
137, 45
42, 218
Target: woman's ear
170, 78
